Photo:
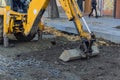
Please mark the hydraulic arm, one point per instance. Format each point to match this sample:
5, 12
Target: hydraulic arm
23, 19
74, 14
36, 10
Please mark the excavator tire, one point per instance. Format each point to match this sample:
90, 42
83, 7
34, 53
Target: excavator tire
1, 29
22, 37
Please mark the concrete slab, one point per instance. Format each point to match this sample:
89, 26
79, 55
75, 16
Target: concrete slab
71, 54
103, 27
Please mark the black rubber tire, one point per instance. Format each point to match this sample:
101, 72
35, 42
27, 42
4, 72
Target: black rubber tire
22, 37
1, 29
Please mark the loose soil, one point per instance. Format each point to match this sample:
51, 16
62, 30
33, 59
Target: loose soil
39, 60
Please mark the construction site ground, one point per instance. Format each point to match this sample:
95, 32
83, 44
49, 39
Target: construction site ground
39, 60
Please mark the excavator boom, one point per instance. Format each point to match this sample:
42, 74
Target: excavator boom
73, 13
70, 7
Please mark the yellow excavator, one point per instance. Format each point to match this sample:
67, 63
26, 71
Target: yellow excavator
22, 18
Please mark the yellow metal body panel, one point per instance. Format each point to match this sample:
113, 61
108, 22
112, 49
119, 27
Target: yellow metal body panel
66, 6
32, 20
6, 20
8, 24
34, 14
77, 8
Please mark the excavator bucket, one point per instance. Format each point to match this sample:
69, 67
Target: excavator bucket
73, 54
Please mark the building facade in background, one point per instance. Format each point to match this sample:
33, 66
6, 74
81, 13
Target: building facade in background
109, 8
117, 9
105, 7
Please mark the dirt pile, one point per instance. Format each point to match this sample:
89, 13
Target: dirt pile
57, 33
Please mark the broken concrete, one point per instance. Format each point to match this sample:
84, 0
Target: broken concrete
72, 54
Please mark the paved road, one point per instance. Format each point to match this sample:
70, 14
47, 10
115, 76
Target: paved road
103, 27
